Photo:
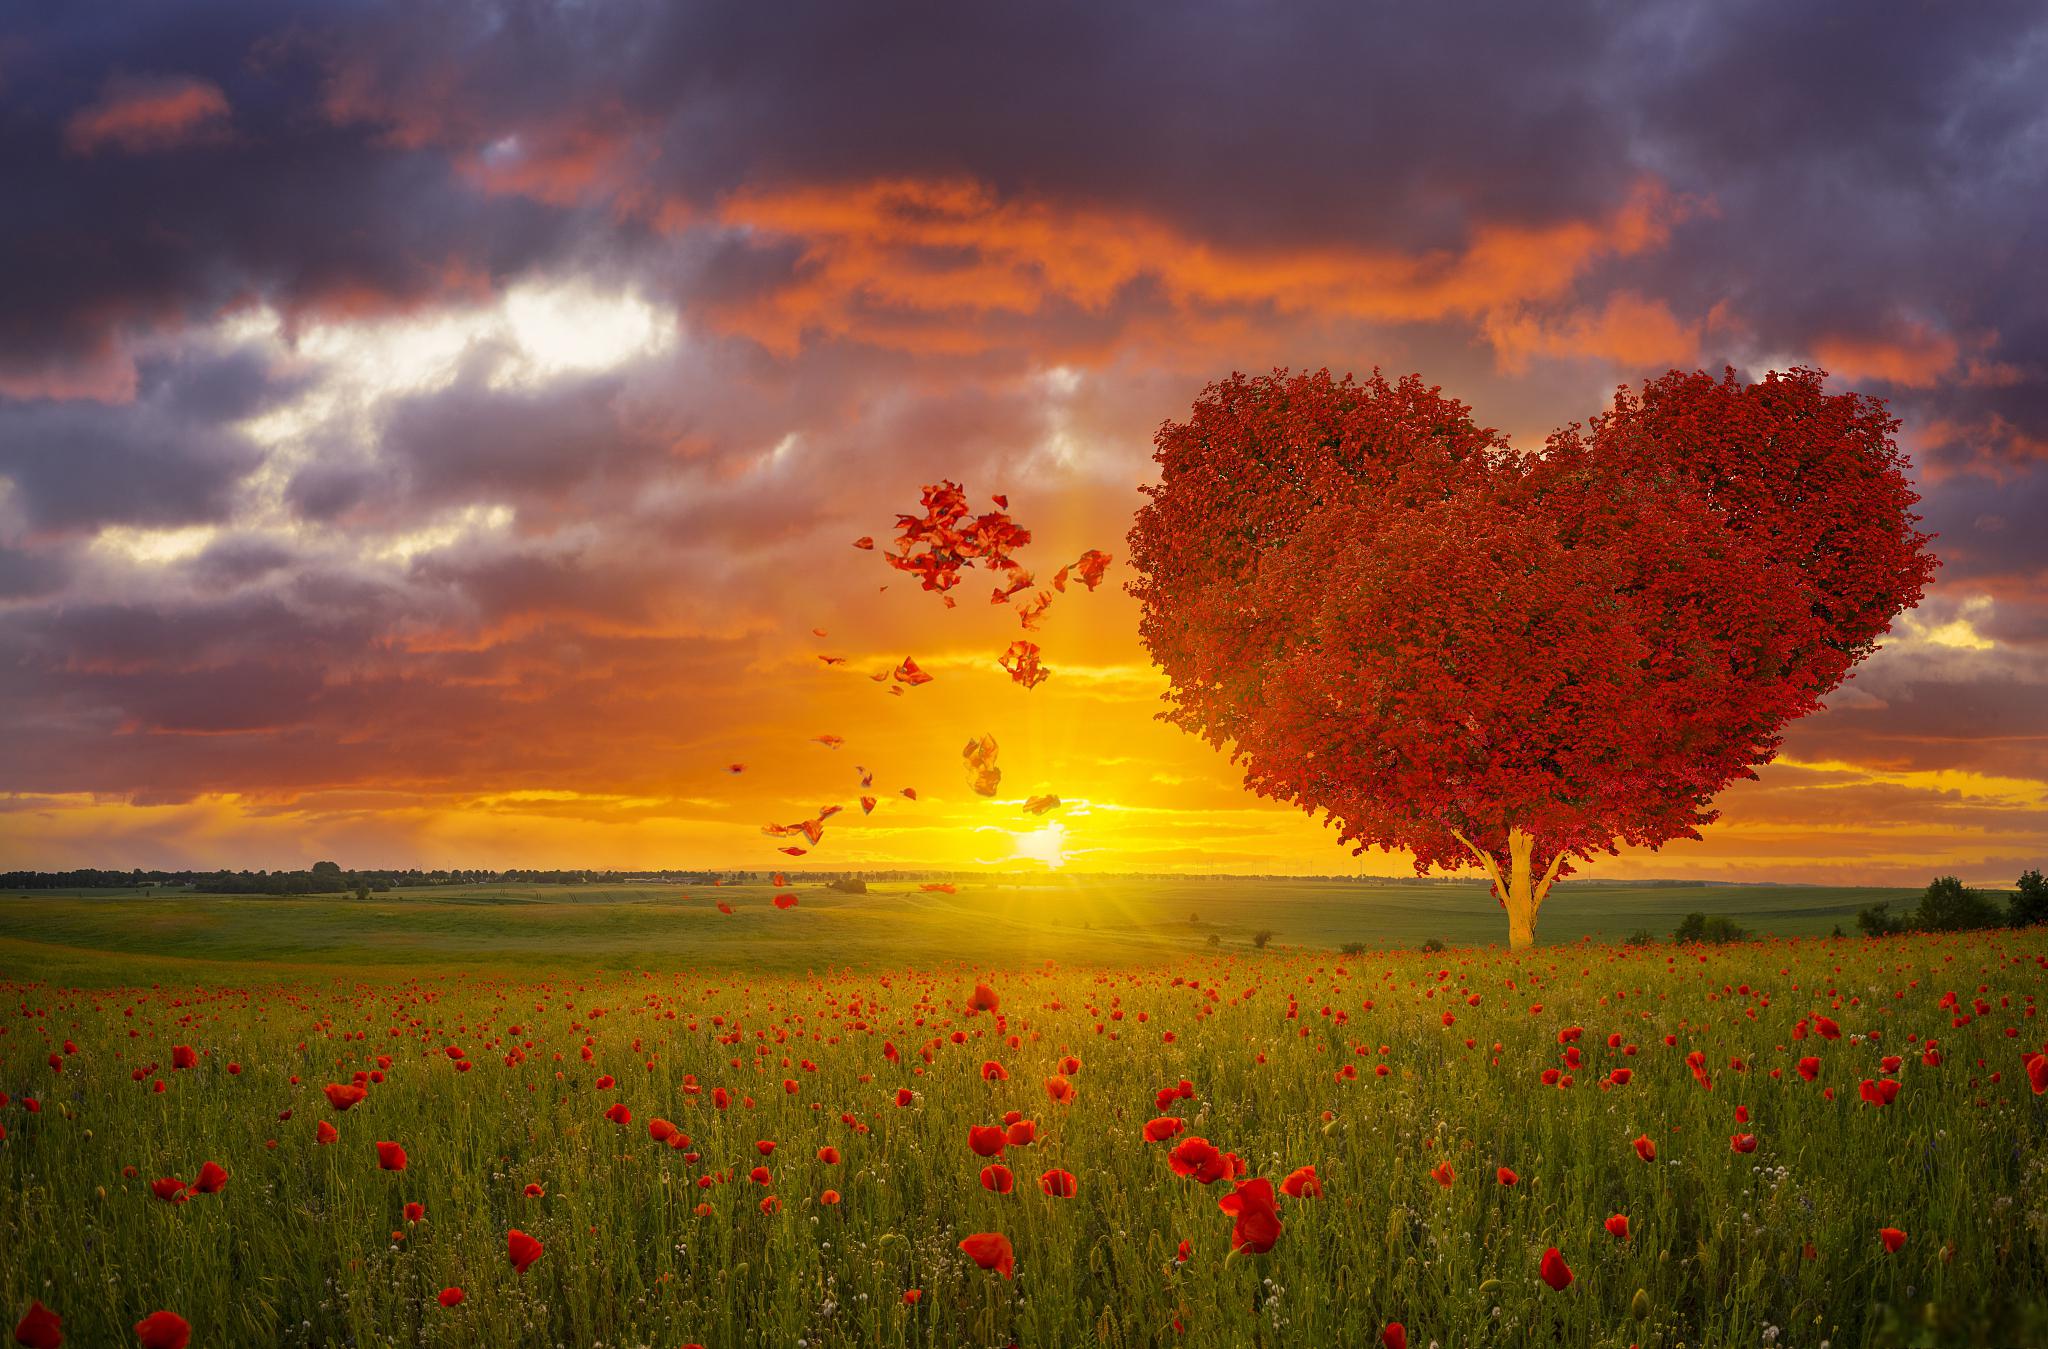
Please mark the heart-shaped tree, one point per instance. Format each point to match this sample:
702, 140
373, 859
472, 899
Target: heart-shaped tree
1389, 616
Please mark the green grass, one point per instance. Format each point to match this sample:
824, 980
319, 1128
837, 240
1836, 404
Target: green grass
308, 1244
1078, 920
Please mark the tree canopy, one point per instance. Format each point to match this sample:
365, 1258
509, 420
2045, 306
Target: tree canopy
1391, 617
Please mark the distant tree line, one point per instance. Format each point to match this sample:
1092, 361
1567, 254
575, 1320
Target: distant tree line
1947, 905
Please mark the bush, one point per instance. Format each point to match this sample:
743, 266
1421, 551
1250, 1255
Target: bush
1352, 948
1877, 921
1716, 930
1642, 936
1215, 940
2029, 904
1263, 937
1947, 905
1432, 946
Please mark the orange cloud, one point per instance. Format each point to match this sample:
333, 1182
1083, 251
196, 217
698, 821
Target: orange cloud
140, 116
1628, 330
1915, 356
938, 264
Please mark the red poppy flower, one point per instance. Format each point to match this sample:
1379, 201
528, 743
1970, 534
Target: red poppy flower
660, 1130
829, 1197
1555, 1271
451, 1297
1443, 1174
904, 1096
1258, 1223
415, 1211
1645, 1149
1742, 1142
785, 901
1879, 1093
1197, 1159
213, 1178
2037, 1073
1163, 1128
1022, 1133
533, 1190
764, 1146
163, 1330
1059, 1184
522, 1249
169, 1189
1302, 1183
985, 1139
991, 1250
759, 1175
1395, 1336
1506, 1176
995, 1176
912, 1296
39, 1328
1809, 1067
1617, 1226
617, 1113
390, 1157
323, 1132
1892, 1238
341, 1096
1060, 1090
829, 1155
994, 1072
183, 1057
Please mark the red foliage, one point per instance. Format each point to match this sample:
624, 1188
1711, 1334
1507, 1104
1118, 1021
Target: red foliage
1391, 617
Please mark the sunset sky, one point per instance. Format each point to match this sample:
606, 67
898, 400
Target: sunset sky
430, 434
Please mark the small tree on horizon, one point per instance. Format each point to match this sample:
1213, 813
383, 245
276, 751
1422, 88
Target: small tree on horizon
2029, 902
1390, 617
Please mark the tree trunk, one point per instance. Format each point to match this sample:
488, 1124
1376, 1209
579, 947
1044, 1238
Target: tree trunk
1520, 891
1520, 898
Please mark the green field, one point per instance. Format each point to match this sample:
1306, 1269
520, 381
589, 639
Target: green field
67, 937
526, 1049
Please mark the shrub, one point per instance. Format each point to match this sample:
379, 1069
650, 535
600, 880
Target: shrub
1716, 929
1263, 937
1433, 945
1642, 936
1877, 921
1947, 905
1352, 948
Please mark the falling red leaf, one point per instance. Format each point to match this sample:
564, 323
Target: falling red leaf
940, 887
833, 660
979, 758
1001, 595
830, 741
793, 852
867, 805
865, 543
1029, 614
735, 768
785, 901
1038, 805
909, 673
910, 793
1021, 660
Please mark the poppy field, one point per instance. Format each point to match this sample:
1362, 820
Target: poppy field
1790, 1143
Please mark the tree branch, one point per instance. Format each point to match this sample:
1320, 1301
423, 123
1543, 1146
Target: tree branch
1500, 888
1549, 878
